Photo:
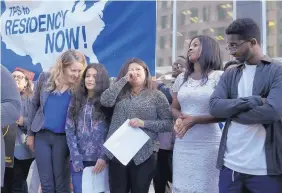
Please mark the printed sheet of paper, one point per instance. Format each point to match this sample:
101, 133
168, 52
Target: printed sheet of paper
95, 183
126, 142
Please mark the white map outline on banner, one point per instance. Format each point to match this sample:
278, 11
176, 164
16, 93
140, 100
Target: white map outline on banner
70, 14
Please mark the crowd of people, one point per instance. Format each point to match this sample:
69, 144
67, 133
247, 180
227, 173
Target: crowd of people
74, 109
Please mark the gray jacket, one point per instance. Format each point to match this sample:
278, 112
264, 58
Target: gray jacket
36, 113
224, 103
10, 98
10, 108
22, 152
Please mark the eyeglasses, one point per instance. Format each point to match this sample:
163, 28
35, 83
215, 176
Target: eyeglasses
19, 77
234, 47
178, 66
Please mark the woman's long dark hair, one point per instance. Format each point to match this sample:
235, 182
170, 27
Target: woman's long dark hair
80, 95
123, 71
210, 58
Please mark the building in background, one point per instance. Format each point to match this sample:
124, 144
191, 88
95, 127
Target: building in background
274, 28
193, 18
211, 18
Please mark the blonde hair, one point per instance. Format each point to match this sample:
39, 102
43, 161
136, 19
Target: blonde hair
56, 79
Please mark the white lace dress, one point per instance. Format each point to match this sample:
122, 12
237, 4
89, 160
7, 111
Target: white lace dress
194, 156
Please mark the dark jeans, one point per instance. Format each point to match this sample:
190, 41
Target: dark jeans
230, 182
51, 153
133, 178
15, 178
164, 171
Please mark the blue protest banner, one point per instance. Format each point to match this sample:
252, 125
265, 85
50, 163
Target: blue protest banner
34, 33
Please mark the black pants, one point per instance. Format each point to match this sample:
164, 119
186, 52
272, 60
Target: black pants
15, 178
133, 178
164, 171
51, 154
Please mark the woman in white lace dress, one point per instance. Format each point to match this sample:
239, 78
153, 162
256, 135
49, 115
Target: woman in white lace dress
198, 134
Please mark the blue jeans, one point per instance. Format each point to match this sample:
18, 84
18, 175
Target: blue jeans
235, 182
77, 177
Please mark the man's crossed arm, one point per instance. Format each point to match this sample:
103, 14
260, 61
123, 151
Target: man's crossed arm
248, 110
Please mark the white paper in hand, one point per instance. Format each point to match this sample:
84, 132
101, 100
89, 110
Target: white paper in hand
125, 142
95, 183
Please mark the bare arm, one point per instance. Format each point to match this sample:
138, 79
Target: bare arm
206, 119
